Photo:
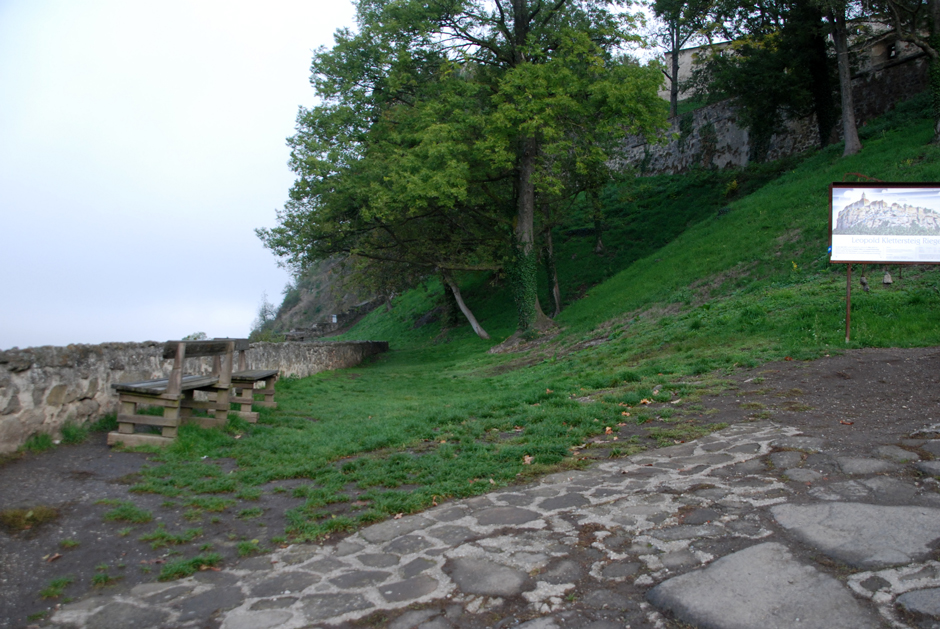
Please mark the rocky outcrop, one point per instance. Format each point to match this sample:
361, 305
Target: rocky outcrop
42, 388
876, 216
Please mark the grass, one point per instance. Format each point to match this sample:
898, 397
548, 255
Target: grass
56, 587
37, 443
186, 567
684, 295
161, 538
126, 511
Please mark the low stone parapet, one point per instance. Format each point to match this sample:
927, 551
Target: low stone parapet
42, 388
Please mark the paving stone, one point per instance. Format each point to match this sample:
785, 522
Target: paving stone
565, 571
256, 564
605, 599
783, 460
567, 501
390, 529
118, 615
896, 454
165, 595
409, 589
452, 535
216, 578
300, 553
921, 602
517, 500
932, 446
858, 465
274, 603
672, 452
927, 572
700, 516
505, 516
802, 475
436, 623
806, 444
863, 535
285, 583
890, 489
822, 463
930, 468
326, 606
449, 513
678, 559
485, 578
416, 566
713, 446
874, 583
603, 624
345, 548
258, 620
673, 533
620, 569
848, 490
379, 560
408, 544
412, 619
761, 586
745, 448
751, 466
205, 604
360, 578
324, 566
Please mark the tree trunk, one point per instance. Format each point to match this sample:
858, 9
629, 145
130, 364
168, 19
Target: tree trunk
598, 216
674, 79
525, 270
465, 310
811, 17
450, 316
551, 269
840, 36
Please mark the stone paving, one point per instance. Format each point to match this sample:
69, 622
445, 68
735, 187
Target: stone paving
752, 526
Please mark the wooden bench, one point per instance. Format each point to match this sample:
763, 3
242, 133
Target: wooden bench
176, 393
244, 381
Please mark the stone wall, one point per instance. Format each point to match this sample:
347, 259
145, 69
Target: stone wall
712, 138
41, 388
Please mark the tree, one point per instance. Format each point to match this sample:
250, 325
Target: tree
682, 22
911, 18
837, 18
776, 66
442, 122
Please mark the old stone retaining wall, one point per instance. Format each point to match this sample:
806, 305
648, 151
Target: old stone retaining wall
711, 137
42, 388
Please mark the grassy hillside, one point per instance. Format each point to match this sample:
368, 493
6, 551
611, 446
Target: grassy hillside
684, 294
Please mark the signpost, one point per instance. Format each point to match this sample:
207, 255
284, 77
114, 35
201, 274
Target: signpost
882, 223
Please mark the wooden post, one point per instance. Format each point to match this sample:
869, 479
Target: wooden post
848, 301
174, 386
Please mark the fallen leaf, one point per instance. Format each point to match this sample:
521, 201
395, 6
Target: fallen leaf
616, 438
238, 436
433, 501
536, 404
608, 431
527, 460
492, 482
399, 516
846, 423
625, 414
443, 440
549, 391
53, 557
646, 401
788, 358
621, 424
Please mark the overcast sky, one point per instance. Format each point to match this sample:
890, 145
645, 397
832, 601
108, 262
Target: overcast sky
141, 143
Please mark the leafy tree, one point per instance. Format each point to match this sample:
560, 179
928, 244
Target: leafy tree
776, 66
911, 19
442, 122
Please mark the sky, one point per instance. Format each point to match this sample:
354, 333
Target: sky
141, 144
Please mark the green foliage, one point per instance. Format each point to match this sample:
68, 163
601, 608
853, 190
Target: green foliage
186, 567
16, 520
73, 433
56, 587
40, 442
161, 538
126, 511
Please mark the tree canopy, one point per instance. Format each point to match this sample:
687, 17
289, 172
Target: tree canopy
442, 124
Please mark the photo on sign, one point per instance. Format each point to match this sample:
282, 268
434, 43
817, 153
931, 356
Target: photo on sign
885, 222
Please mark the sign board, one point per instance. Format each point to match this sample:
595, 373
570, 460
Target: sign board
897, 223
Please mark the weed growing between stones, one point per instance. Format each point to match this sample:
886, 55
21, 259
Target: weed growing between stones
161, 538
38, 443
187, 567
56, 587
